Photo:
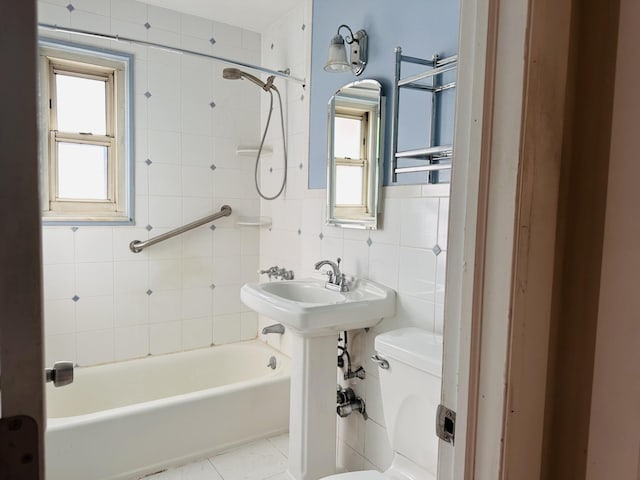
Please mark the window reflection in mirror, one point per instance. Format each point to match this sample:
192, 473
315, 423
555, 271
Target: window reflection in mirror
354, 146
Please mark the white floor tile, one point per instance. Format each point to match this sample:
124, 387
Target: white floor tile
281, 442
279, 476
263, 460
202, 470
256, 461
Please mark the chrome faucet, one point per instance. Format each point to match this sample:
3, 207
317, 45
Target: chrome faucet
337, 279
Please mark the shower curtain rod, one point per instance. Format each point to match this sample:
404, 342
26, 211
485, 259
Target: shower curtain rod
119, 38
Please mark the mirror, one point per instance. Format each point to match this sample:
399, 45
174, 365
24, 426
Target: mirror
355, 130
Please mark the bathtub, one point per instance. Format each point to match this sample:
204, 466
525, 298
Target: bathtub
127, 419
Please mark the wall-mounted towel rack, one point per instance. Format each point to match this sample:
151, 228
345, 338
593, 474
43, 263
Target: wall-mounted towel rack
438, 157
137, 246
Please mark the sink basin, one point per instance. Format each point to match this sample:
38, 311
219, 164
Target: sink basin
307, 306
303, 292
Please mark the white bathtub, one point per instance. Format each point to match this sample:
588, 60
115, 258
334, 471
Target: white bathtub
127, 419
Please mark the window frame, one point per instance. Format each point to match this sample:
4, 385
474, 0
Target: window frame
116, 69
363, 161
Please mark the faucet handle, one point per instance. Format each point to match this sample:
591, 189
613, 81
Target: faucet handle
329, 274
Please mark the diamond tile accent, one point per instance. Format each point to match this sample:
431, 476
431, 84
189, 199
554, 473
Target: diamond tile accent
147, 94
212, 287
147, 25
149, 228
272, 46
148, 161
71, 8
321, 236
301, 165
74, 229
212, 104
75, 298
299, 232
213, 167
436, 250
270, 169
303, 26
212, 227
149, 292
369, 241
212, 41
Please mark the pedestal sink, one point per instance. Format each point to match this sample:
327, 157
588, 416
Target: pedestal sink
315, 314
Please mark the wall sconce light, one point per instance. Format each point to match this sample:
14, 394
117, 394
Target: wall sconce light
337, 61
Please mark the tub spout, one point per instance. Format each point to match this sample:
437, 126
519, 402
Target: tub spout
275, 328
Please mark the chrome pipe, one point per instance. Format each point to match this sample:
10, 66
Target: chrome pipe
137, 246
77, 31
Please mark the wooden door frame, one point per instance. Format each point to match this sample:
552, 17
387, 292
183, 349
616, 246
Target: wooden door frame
522, 218
21, 349
510, 256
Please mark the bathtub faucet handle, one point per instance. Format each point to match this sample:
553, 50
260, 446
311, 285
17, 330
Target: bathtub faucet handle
61, 374
277, 272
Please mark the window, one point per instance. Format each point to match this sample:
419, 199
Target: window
86, 143
351, 162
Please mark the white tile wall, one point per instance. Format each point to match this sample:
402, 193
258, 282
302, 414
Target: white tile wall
161, 300
407, 253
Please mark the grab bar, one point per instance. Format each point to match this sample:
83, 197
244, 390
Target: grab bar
137, 246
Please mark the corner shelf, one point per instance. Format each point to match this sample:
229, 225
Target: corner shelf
252, 150
432, 154
264, 222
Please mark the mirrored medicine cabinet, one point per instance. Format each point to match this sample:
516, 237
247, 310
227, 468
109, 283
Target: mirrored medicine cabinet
354, 146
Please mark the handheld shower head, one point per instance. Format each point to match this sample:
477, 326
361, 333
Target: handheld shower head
235, 74
231, 73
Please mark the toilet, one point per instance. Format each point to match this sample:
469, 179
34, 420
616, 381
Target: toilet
410, 382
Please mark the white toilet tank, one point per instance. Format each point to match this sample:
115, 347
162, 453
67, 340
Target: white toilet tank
411, 394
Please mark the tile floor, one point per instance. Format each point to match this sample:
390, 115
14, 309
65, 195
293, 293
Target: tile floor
261, 460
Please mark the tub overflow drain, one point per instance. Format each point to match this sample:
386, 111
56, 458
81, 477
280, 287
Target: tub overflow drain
272, 363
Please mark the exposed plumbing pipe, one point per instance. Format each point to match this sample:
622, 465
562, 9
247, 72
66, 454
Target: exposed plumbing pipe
348, 402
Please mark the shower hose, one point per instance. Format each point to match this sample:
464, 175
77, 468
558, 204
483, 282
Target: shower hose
284, 145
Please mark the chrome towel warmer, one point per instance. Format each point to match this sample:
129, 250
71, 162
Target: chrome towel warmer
137, 246
432, 153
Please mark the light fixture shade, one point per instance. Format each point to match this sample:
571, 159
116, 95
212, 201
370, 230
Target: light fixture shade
337, 61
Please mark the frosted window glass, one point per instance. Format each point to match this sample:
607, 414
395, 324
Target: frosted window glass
82, 171
347, 137
348, 185
81, 105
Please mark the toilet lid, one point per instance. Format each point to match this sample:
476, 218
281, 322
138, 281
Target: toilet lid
361, 475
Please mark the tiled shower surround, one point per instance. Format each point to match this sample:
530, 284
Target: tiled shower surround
104, 303
115, 318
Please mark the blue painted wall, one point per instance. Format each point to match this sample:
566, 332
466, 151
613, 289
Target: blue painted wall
421, 28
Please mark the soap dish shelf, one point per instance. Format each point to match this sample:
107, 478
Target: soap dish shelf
252, 150
264, 222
